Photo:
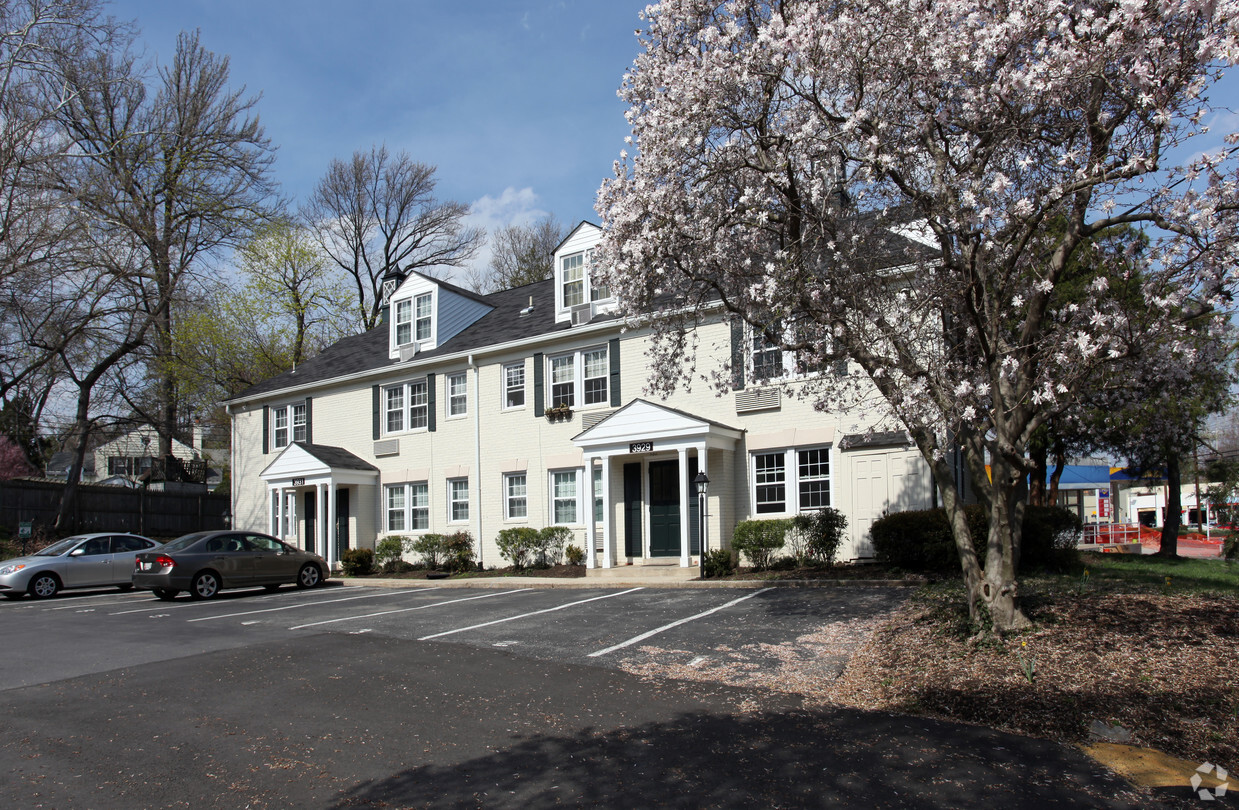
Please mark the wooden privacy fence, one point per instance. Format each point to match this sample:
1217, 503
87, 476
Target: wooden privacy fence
113, 509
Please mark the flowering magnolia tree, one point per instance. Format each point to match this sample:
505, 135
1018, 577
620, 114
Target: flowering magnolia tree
913, 188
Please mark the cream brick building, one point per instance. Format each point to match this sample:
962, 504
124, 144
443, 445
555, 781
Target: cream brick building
450, 416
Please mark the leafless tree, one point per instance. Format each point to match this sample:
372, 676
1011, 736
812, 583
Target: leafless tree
377, 211
523, 254
175, 166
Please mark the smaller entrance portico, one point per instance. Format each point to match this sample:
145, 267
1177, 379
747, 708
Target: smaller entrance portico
654, 444
322, 476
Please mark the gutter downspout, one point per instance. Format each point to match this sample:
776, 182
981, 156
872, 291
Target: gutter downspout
477, 449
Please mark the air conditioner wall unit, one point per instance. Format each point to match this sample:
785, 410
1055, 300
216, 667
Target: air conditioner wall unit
582, 313
408, 352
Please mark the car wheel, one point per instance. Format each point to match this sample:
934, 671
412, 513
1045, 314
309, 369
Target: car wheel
204, 586
166, 594
43, 586
309, 576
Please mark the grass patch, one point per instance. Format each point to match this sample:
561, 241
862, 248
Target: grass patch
1142, 573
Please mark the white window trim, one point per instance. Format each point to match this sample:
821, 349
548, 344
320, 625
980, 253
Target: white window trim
406, 407
791, 479
578, 378
402, 511
578, 475
447, 400
407, 510
788, 358
507, 498
398, 321
432, 330
288, 411
452, 501
505, 389
588, 285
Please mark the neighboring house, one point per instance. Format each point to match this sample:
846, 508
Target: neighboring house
524, 408
127, 460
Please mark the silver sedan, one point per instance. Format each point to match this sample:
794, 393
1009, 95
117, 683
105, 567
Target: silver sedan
82, 561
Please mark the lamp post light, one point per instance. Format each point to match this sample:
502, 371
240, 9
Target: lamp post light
702, 483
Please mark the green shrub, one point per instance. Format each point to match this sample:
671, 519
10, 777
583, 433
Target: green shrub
459, 552
921, 540
389, 553
357, 562
718, 563
517, 544
760, 539
817, 536
550, 547
431, 547
574, 554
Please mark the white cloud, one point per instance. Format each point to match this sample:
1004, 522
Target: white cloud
512, 207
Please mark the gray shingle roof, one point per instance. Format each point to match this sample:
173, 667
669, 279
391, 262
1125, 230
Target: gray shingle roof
369, 350
337, 458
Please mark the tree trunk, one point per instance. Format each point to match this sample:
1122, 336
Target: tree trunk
1174, 507
66, 515
999, 590
1039, 454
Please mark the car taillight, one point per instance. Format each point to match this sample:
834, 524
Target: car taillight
165, 562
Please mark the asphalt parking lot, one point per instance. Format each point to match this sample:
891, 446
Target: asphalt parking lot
355, 696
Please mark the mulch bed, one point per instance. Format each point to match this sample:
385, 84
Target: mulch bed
565, 571
1163, 666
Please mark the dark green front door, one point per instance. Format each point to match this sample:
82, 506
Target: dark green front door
664, 508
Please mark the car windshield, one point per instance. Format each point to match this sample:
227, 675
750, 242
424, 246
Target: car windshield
184, 541
56, 549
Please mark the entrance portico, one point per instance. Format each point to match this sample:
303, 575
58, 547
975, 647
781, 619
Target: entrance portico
323, 476
659, 450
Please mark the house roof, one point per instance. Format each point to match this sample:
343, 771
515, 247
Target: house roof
336, 457
369, 350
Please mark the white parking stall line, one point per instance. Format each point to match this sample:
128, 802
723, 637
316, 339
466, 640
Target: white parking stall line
676, 623
309, 604
526, 615
407, 610
154, 603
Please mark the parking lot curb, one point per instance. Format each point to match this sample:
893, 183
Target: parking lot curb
567, 583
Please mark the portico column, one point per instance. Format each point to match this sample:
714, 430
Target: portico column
608, 542
685, 532
271, 513
590, 531
331, 525
320, 519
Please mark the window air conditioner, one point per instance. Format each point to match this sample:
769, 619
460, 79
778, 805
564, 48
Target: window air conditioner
582, 313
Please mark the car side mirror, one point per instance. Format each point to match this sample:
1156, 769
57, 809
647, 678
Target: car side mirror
77, 552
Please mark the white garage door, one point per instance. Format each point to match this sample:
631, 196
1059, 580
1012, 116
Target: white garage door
884, 481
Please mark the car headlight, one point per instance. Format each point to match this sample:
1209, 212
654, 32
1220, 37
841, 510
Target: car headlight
11, 569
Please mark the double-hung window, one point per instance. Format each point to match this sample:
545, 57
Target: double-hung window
423, 324
766, 357
406, 406
408, 507
564, 497
514, 385
458, 499
598, 290
787, 481
404, 322
457, 394
573, 279
516, 496
288, 423
586, 371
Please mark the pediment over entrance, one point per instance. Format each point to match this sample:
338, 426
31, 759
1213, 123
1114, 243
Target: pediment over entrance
644, 421
316, 462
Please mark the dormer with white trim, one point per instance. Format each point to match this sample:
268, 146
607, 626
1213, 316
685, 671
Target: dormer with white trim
426, 313
580, 293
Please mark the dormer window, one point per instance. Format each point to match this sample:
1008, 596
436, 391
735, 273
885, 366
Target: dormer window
415, 319
404, 322
425, 309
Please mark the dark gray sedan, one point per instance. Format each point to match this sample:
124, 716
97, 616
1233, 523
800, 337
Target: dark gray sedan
204, 563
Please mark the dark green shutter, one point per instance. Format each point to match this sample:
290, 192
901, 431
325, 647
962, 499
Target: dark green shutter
539, 398
613, 351
430, 402
309, 421
376, 401
737, 355
266, 430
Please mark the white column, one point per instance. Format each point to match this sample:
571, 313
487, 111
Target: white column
331, 525
590, 530
685, 505
608, 542
704, 524
320, 519
272, 502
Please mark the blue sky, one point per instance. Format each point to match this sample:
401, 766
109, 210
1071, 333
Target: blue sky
515, 103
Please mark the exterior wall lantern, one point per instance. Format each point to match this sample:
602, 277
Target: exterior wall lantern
702, 482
